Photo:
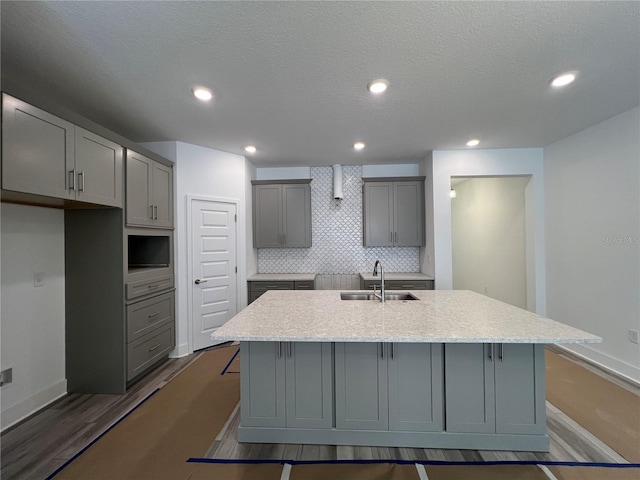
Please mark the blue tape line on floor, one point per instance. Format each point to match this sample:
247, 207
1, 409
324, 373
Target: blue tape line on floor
421, 462
65, 464
224, 370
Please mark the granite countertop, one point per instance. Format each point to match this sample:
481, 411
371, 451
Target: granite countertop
459, 316
281, 277
396, 276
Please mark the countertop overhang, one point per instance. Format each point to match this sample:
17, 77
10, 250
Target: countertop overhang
438, 316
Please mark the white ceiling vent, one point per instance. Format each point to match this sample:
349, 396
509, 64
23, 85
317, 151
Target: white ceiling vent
337, 182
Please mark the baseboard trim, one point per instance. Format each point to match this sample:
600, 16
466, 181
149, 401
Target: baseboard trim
612, 366
31, 405
181, 350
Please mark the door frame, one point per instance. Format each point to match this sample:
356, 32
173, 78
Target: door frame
240, 257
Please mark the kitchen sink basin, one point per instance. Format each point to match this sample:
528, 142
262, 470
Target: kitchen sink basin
371, 296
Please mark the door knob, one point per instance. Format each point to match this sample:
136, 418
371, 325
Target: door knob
198, 281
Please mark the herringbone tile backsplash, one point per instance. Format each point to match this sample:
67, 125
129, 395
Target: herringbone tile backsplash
337, 235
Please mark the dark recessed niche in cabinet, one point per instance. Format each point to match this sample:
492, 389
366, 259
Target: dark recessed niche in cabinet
146, 251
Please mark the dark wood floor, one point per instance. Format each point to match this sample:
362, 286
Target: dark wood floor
38, 446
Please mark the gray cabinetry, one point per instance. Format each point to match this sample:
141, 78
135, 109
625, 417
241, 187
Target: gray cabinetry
46, 155
286, 384
495, 388
257, 288
281, 214
393, 211
398, 284
394, 386
149, 192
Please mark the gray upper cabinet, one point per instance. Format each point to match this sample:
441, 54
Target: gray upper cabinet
149, 192
495, 388
393, 211
45, 155
282, 214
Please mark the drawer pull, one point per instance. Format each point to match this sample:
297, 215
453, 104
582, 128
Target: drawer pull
303, 286
151, 315
155, 347
154, 286
407, 286
272, 286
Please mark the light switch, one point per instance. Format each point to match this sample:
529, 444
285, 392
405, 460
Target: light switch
38, 279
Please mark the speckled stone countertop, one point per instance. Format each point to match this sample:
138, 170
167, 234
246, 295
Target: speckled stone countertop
396, 276
281, 277
438, 316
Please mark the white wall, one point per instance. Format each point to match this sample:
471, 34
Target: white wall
427, 254
32, 318
489, 162
399, 170
204, 172
252, 253
488, 238
592, 188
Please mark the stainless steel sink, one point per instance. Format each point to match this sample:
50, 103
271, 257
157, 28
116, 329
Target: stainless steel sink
371, 296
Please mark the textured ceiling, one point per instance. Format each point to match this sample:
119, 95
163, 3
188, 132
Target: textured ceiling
290, 77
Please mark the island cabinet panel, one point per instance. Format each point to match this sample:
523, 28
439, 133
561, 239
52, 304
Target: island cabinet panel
361, 386
286, 384
390, 386
495, 388
416, 387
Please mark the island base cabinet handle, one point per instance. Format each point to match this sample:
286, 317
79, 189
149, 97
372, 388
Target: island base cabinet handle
289, 349
501, 351
491, 352
381, 350
279, 349
393, 350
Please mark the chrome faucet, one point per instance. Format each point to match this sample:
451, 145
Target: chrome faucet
375, 273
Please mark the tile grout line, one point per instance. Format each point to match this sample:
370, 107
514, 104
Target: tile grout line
422, 473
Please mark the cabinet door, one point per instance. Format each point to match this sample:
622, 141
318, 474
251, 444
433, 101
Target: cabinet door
99, 169
469, 388
309, 385
378, 214
162, 195
262, 381
296, 215
416, 387
408, 208
361, 386
139, 189
267, 216
520, 389
37, 151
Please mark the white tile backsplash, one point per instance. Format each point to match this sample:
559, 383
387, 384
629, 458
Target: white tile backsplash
337, 235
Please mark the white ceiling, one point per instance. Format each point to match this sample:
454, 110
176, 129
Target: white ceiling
290, 77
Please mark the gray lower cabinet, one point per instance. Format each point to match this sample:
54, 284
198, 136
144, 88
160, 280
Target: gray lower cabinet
149, 192
257, 288
286, 384
393, 212
48, 156
281, 214
398, 284
393, 386
495, 388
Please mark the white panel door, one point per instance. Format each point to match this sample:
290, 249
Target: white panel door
214, 289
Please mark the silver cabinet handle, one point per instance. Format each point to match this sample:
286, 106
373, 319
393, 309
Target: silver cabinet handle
491, 352
279, 349
395, 237
153, 315
198, 281
381, 349
72, 179
153, 286
153, 348
393, 350
501, 351
151, 216
155, 210
81, 183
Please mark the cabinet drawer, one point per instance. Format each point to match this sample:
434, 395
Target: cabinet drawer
305, 285
264, 286
399, 284
147, 350
145, 316
149, 286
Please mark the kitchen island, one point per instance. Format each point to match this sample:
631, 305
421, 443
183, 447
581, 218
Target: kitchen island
450, 369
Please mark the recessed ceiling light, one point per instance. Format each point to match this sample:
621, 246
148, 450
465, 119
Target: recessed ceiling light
202, 93
563, 79
378, 86
358, 145
250, 149
473, 142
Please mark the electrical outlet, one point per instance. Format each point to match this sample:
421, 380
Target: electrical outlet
634, 336
38, 279
6, 376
